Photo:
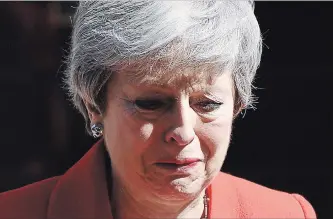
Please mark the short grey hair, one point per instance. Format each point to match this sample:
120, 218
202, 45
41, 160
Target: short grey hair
222, 33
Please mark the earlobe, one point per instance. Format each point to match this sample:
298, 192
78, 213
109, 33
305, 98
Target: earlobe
94, 115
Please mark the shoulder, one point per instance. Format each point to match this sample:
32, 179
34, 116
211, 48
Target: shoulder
254, 200
30, 201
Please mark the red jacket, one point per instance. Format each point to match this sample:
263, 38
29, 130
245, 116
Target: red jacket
81, 193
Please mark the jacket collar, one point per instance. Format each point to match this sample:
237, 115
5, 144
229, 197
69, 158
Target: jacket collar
82, 191
225, 200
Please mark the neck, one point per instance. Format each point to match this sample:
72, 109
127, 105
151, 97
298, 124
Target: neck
127, 203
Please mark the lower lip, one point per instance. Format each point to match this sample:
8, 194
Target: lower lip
178, 167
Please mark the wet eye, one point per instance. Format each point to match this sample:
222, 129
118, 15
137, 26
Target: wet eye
208, 106
149, 105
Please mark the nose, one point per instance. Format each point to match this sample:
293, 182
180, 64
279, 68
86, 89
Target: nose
181, 125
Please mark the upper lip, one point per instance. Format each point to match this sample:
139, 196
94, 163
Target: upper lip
180, 161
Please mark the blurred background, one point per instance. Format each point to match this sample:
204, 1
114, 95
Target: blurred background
284, 144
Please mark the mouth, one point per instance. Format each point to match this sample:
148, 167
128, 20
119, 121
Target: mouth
178, 164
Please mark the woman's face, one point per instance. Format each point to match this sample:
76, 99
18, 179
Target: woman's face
168, 137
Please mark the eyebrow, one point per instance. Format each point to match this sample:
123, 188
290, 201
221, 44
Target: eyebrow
165, 81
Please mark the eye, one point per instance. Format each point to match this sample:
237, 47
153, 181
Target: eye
150, 105
208, 105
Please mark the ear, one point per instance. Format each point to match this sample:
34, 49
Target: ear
237, 109
94, 115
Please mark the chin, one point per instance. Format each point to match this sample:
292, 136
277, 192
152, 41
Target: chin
180, 188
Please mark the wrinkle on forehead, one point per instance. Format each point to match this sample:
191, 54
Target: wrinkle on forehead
164, 75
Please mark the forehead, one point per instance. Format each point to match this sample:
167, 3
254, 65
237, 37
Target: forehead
166, 76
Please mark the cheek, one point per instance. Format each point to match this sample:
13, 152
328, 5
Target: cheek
126, 137
138, 135
146, 131
215, 139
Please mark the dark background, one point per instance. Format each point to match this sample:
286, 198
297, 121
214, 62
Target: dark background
284, 144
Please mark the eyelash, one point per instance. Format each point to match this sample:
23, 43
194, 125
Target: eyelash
212, 105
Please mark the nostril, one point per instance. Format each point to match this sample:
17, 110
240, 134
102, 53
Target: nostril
181, 140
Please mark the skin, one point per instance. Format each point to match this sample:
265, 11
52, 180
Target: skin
180, 115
